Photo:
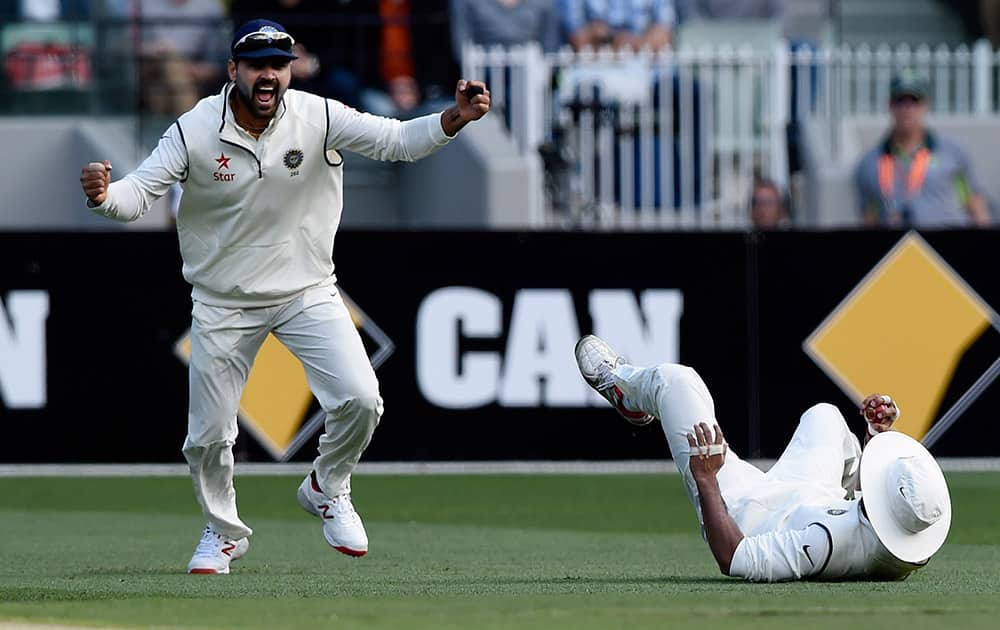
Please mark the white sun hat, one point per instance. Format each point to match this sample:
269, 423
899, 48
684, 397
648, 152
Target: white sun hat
905, 496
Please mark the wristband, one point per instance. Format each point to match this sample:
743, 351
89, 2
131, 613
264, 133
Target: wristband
871, 430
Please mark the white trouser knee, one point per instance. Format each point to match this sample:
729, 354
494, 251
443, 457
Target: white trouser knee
679, 398
349, 429
822, 450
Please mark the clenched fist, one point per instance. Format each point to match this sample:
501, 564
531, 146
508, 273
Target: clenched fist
879, 411
95, 178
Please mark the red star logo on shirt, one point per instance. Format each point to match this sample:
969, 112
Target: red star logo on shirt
223, 160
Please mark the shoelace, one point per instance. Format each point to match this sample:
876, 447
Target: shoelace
343, 507
605, 378
209, 544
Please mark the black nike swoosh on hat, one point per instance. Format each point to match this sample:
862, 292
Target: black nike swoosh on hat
805, 550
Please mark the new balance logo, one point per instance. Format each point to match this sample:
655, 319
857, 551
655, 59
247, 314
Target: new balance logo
325, 509
227, 549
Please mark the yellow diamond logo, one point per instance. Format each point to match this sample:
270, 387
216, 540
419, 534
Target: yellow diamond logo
277, 400
902, 331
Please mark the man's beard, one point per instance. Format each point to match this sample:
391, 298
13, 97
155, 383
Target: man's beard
247, 94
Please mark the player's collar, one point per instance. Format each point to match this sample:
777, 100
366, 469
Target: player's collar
228, 116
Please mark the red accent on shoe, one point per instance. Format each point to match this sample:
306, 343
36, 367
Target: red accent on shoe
325, 508
229, 547
315, 485
628, 413
354, 553
203, 571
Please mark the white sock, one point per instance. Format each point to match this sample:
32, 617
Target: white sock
624, 372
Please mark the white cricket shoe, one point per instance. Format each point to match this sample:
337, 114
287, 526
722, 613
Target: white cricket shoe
596, 360
342, 527
215, 551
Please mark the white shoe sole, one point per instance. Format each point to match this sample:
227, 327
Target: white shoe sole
199, 571
303, 496
347, 551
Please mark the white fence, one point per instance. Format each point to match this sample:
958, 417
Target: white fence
674, 140
837, 83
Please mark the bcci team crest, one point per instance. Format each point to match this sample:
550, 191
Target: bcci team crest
293, 159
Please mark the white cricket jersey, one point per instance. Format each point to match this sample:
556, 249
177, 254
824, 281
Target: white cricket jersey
258, 217
829, 540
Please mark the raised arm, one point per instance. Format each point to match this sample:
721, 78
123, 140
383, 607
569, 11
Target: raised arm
469, 105
391, 140
880, 411
130, 197
708, 454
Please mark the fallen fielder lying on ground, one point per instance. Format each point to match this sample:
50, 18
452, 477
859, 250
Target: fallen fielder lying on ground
824, 511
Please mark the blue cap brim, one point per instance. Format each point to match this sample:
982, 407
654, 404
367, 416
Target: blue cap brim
270, 51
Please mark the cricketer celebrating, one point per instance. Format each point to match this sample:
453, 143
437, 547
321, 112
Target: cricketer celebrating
824, 511
262, 174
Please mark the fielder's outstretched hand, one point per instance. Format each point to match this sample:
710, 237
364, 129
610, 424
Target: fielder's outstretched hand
879, 411
95, 178
708, 451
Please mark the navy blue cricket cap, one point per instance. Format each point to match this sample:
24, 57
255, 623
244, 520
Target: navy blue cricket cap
262, 38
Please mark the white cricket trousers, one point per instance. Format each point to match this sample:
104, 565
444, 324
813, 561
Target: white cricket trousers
317, 328
821, 460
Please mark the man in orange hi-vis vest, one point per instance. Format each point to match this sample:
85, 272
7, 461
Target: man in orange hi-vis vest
914, 177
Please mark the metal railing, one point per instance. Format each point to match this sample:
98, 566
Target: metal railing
675, 140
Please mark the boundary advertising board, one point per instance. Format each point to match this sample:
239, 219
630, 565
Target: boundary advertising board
472, 336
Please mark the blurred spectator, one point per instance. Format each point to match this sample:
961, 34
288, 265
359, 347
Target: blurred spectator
768, 210
376, 55
397, 67
55, 56
729, 9
336, 42
409, 81
915, 177
181, 59
437, 69
981, 18
44, 10
504, 23
181, 56
989, 17
622, 24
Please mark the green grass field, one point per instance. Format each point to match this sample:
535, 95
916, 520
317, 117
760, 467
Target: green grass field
510, 551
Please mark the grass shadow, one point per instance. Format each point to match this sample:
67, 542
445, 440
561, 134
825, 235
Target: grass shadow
586, 579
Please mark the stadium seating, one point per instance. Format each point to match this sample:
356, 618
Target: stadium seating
895, 22
47, 67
